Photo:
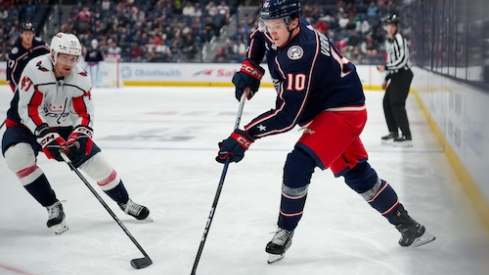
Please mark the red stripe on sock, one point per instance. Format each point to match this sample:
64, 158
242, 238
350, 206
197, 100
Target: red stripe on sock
26, 172
109, 179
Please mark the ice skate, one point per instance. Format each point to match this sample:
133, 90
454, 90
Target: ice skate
403, 141
56, 218
388, 139
136, 210
279, 244
413, 234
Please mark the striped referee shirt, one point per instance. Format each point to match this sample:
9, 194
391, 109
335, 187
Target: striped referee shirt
397, 54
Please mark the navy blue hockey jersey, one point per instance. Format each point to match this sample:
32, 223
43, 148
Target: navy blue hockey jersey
20, 56
310, 76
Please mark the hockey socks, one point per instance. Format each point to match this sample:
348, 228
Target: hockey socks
118, 193
41, 190
384, 199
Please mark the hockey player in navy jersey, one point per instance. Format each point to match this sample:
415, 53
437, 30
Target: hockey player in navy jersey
93, 57
319, 90
52, 111
25, 48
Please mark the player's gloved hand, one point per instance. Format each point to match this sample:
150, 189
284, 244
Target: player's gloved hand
248, 78
51, 142
234, 147
80, 142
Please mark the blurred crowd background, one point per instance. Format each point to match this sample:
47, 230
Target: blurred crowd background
192, 30
447, 36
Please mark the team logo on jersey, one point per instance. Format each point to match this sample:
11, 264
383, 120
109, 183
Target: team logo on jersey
15, 50
84, 73
40, 67
295, 52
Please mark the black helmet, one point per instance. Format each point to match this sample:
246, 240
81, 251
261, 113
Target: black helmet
391, 19
276, 9
27, 26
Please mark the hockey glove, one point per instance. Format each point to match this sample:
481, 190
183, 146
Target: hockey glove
51, 142
80, 143
248, 78
234, 147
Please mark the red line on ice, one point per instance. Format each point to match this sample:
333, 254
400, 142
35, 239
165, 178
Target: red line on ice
14, 270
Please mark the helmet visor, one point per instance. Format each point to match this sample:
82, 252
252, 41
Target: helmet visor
67, 59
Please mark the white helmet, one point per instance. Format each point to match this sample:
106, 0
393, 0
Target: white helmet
94, 43
65, 43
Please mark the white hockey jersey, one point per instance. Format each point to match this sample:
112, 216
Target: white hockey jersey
59, 103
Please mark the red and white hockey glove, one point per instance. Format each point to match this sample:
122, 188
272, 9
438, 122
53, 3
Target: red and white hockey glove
234, 147
51, 142
80, 143
248, 78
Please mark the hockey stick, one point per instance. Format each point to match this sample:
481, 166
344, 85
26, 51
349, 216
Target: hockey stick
218, 192
135, 263
3, 123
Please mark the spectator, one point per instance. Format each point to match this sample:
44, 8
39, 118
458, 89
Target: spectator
114, 50
189, 44
188, 10
211, 9
321, 26
198, 10
3, 13
163, 51
13, 35
240, 50
28, 11
220, 56
223, 10
209, 29
372, 9
344, 20
136, 53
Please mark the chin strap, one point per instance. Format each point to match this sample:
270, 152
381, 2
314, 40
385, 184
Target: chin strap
287, 22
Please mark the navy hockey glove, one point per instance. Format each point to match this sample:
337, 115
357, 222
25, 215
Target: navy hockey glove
248, 78
51, 142
234, 147
80, 143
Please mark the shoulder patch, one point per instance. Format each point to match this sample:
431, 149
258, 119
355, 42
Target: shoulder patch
84, 73
295, 52
40, 67
38, 39
15, 50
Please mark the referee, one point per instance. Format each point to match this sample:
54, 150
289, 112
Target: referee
400, 76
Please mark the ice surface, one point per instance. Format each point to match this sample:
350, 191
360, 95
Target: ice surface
163, 141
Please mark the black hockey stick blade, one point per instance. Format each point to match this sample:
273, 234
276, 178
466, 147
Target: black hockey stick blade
141, 263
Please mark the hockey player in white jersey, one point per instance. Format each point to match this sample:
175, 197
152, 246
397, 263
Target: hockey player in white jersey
52, 111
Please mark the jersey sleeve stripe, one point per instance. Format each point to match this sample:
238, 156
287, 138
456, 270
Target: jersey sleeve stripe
81, 109
33, 107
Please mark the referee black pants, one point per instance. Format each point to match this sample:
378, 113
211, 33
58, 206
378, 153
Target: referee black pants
395, 102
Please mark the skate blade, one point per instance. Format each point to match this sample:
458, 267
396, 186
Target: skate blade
386, 142
423, 239
59, 228
272, 258
146, 220
403, 144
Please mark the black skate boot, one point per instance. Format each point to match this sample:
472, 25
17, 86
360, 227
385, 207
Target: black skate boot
56, 218
403, 141
387, 140
413, 233
133, 209
279, 244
